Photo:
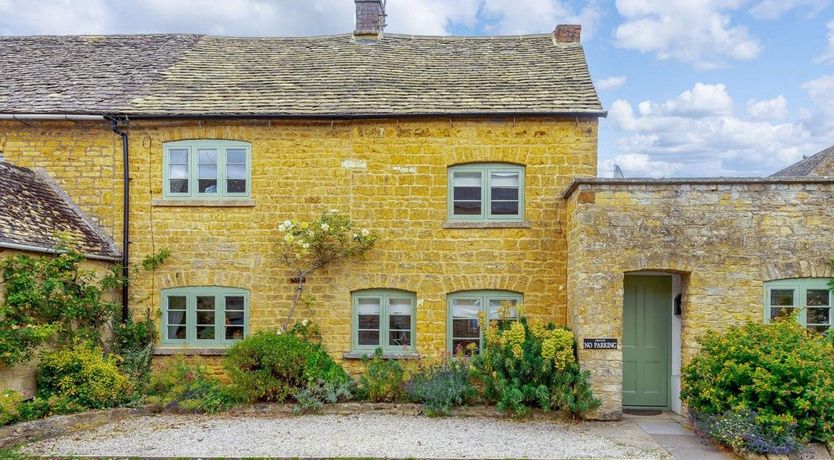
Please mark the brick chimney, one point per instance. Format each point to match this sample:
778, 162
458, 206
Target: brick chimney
566, 33
370, 17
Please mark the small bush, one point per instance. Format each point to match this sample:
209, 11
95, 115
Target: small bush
183, 386
441, 387
133, 342
779, 371
9, 402
274, 367
318, 394
742, 431
526, 364
32, 409
80, 378
383, 379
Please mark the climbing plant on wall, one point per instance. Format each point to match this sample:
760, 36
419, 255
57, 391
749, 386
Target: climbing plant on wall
309, 246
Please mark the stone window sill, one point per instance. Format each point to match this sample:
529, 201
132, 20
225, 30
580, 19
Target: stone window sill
519, 224
171, 351
242, 203
369, 354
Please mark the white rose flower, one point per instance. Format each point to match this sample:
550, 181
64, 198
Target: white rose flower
325, 227
278, 332
287, 223
306, 245
334, 211
282, 228
365, 232
304, 323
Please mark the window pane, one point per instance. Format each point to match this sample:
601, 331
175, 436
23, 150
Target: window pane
399, 322
504, 179
178, 156
207, 186
504, 208
467, 208
236, 156
369, 306
818, 297
781, 297
236, 186
178, 171
819, 315
205, 317
207, 156
820, 329
236, 171
368, 337
234, 303
176, 317
205, 332
399, 338
176, 332
368, 321
782, 312
234, 332
466, 308
467, 193
208, 171
176, 302
205, 302
178, 186
467, 179
465, 328
502, 308
399, 306
463, 346
234, 318
507, 194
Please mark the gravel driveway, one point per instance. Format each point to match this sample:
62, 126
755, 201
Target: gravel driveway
359, 435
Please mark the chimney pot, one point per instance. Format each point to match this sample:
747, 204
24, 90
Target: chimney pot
370, 17
567, 33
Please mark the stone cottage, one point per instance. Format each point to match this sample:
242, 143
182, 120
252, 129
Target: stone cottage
473, 158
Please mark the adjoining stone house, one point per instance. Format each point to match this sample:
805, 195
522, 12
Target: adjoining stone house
473, 158
34, 215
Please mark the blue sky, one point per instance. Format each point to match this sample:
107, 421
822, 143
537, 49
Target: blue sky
693, 87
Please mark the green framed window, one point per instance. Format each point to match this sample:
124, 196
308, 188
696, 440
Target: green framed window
207, 169
486, 192
467, 308
811, 297
204, 316
384, 318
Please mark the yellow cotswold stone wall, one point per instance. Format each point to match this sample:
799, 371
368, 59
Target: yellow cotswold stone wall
83, 158
22, 377
725, 240
388, 175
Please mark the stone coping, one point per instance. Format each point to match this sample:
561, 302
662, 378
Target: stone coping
490, 224
647, 181
165, 351
388, 355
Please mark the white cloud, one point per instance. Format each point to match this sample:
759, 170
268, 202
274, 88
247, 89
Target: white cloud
698, 134
610, 83
697, 32
536, 16
287, 17
827, 56
768, 109
821, 92
774, 9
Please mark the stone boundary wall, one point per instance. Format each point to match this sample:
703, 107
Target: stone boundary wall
725, 237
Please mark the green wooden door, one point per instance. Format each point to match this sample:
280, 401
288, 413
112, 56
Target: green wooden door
647, 327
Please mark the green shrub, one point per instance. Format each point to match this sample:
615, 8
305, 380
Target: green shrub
742, 431
32, 409
133, 342
9, 402
525, 364
383, 380
317, 394
274, 367
780, 371
441, 387
184, 386
80, 378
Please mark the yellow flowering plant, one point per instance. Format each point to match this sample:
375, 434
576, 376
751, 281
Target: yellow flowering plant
527, 363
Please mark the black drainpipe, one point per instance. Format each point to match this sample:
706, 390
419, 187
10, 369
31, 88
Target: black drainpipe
125, 216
